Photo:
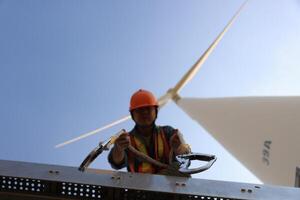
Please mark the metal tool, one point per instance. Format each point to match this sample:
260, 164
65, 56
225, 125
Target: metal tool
185, 161
103, 146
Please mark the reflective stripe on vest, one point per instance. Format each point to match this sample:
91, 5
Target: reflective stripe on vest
161, 152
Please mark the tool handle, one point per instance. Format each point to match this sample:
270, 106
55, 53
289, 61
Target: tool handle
185, 161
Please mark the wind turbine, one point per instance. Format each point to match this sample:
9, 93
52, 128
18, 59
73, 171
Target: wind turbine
251, 128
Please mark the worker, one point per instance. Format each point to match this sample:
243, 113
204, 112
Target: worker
161, 143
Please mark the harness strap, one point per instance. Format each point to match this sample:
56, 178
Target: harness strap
162, 154
146, 158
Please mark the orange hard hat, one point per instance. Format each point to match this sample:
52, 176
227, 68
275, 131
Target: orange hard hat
142, 98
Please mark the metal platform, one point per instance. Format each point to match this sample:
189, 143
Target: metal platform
23, 180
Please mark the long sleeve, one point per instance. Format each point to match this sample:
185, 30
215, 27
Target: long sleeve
113, 164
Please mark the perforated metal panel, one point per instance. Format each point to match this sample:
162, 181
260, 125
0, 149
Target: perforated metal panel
81, 190
145, 195
31, 181
16, 184
68, 190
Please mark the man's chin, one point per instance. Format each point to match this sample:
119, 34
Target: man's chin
146, 125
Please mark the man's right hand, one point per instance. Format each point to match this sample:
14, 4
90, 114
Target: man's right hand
122, 142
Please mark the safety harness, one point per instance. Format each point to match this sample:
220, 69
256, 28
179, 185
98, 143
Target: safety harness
161, 153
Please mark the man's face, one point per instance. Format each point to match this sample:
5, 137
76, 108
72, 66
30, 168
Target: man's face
144, 116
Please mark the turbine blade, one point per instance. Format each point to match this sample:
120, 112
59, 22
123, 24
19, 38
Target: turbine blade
94, 131
195, 68
261, 132
163, 100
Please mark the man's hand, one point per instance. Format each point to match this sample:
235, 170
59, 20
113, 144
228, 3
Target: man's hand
121, 143
178, 147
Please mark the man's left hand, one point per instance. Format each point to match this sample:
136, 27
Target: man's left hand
178, 147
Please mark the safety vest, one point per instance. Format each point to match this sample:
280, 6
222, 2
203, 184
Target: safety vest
161, 153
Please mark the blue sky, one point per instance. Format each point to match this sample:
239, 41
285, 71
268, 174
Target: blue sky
68, 67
